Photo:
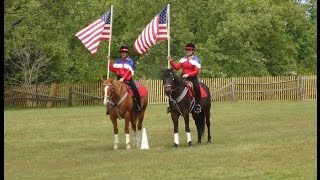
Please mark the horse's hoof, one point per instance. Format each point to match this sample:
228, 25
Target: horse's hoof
128, 147
190, 143
115, 147
199, 142
209, 142
175, 145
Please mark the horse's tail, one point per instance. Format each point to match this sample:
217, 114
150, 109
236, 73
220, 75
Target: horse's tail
200, 123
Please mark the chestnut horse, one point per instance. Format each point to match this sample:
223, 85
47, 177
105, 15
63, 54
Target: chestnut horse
181, 104
120, 104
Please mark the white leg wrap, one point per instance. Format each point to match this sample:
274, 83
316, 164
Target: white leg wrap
176, 138
188, 136
116, 139
105, 100
127, 138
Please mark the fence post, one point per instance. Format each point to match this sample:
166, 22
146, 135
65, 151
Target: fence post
11, 98
233, 86
70, 97
300, 88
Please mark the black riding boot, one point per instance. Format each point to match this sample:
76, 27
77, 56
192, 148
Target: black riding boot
197, 95
136, 98
138, 104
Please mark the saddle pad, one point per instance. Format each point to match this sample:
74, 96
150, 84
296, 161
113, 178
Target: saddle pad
202, 92
143, 91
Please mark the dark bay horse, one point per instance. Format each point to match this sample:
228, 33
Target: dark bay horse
181, 104
119, 104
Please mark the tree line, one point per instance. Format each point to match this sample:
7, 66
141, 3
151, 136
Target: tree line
232, 38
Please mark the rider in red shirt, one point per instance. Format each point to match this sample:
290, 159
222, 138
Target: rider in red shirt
190, 65
124, 69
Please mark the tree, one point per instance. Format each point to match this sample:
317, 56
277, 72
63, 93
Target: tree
28, 66
233, 38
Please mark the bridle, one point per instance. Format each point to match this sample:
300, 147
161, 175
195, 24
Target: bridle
169, 85
106, 94
181, 96
110, 103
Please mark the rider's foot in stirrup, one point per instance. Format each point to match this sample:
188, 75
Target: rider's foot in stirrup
197, 108
138, 108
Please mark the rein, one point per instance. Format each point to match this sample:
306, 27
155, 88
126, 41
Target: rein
169, 85
181, 96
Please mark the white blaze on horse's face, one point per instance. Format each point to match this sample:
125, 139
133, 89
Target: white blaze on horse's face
106, 100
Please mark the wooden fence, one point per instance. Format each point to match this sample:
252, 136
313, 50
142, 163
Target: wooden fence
222, 89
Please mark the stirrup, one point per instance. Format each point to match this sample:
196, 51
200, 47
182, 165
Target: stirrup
197, 108
138, 108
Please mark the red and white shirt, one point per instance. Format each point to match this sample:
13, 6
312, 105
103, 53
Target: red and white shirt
190, 65
123, 68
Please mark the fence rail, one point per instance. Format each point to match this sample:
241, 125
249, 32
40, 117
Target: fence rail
222, 89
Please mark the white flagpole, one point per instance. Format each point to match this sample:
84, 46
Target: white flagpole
168, 29
110, 41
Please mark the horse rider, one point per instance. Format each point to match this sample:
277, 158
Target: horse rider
190, 65
124, 69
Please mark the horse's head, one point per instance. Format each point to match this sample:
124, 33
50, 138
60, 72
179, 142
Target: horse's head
107, 89
169, 79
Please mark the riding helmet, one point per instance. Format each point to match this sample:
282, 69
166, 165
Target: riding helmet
124, 49
190, 46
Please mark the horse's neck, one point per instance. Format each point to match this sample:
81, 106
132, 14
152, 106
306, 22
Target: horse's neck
178, 87
120, 90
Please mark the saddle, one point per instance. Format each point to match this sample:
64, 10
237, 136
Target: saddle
203, 93
143, 91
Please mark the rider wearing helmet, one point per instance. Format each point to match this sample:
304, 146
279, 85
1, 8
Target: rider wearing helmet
190, 65
124, 69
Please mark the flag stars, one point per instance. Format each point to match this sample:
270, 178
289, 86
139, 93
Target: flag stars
106, 17
163, 16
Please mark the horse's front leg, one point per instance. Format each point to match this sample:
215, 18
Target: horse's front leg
126, 129
115, 132
187, 128
175, 118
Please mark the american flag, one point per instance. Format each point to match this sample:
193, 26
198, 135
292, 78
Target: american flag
156, 30
97, 31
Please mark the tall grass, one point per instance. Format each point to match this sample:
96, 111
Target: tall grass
251, 140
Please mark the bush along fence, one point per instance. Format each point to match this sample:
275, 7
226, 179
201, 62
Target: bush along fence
222, 89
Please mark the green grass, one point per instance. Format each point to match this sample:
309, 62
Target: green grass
251, 140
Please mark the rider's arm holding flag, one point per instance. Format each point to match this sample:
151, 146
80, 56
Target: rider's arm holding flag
175, 66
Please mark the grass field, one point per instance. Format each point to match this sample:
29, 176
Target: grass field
251, 140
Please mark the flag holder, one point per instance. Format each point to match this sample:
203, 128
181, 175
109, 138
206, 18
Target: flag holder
168, 30
108, 57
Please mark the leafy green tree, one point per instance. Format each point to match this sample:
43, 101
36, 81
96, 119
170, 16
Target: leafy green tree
233, 38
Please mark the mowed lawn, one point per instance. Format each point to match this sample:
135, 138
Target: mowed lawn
251, 140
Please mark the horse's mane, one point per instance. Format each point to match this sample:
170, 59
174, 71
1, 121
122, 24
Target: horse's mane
170, 72
117, 83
